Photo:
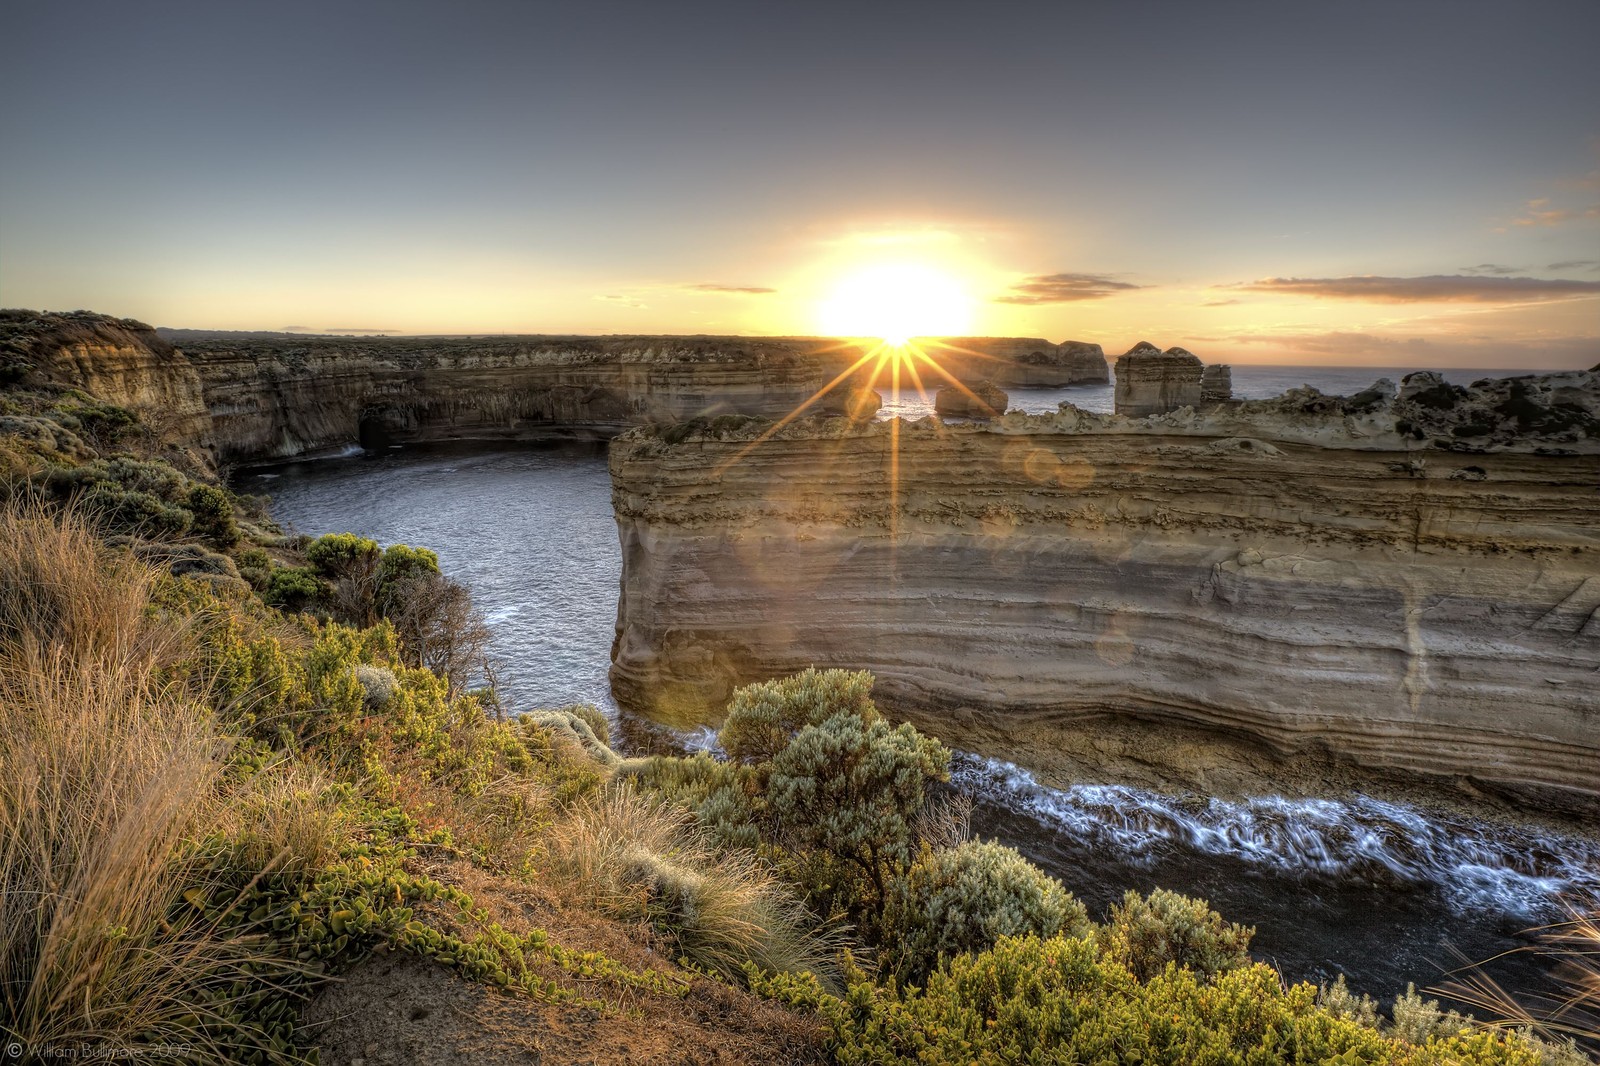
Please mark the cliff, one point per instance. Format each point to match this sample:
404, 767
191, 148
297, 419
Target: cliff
1399, 587
252, 396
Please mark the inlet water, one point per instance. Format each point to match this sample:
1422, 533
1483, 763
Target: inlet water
1385, 893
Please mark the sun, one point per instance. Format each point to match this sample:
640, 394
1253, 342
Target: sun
896, 302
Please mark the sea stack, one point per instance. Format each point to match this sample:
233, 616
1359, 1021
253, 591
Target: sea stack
1153, 382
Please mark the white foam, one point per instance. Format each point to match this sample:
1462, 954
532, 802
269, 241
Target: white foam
1474, 865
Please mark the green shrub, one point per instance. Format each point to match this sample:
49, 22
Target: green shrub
966, 898
402, 561
213, 515
1147, 933
763, 718
851, 788
333, 554
1418, 1020
1058, 1001
294, 588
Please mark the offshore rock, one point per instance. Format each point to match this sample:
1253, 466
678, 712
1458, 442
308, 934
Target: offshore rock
1344, 580
1216, 383
856, 403
1020, 362
1153, 382
983, 400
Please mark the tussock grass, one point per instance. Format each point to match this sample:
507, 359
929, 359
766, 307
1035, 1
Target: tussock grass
641, 858
105, 773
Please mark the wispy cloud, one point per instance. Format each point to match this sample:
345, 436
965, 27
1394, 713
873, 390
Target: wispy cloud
1454, 288
1489, 268
1339, 347
1540, 213
1576, 264
733, 290
1063, 289
1221, 303
619, 298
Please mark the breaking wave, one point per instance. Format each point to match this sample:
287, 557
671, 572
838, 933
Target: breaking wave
1474, 865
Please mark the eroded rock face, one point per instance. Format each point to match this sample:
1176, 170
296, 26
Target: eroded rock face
251, 397
982, 400
1153, 382
1300, 575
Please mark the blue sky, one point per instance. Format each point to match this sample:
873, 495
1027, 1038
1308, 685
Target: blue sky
1211, 175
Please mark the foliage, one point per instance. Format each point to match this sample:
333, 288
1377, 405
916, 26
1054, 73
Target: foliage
964, 899
1146, 933
762, 718
1061, 1000
1338, 1000
850, 789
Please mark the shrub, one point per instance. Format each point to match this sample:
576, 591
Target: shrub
1338, 1000
1147, 933
966, 898
852, 787
763, 718
213, 515
335, 554
294, 588
1057, 1001
379, 684
438, 627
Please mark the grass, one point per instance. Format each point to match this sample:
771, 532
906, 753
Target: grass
640, 858
106, 773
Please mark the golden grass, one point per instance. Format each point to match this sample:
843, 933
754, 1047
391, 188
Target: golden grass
637, 857
104, 775
1572, 947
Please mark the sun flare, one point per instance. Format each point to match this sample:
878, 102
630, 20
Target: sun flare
895, 302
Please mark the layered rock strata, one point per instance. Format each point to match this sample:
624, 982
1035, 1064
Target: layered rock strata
1153, 382
1346, 579
249, 397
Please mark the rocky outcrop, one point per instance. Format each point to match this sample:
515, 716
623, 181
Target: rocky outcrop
1343, 580
983, 400
117, 360
1153, 382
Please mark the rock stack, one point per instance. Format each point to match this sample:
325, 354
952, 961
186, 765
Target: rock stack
1216, 383
1153, 382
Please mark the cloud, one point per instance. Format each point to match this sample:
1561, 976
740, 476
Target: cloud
1455, 288
619, 298
1221, 303
1063, 289
733, 290
1489, 268
1540, 213
1382, 350
1575, 264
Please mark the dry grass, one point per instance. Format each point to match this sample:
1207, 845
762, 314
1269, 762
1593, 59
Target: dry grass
104, 775
640, 858
1573, 948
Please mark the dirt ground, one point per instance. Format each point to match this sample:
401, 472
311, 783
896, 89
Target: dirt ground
401, 1009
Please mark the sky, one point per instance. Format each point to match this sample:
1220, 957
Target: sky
1403, 183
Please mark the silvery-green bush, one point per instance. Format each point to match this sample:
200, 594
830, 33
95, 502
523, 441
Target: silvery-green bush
964, 899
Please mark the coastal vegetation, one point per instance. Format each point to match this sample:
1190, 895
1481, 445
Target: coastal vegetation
236, 763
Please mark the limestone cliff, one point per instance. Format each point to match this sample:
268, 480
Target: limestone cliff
1351, 580
246, 397
251, 396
